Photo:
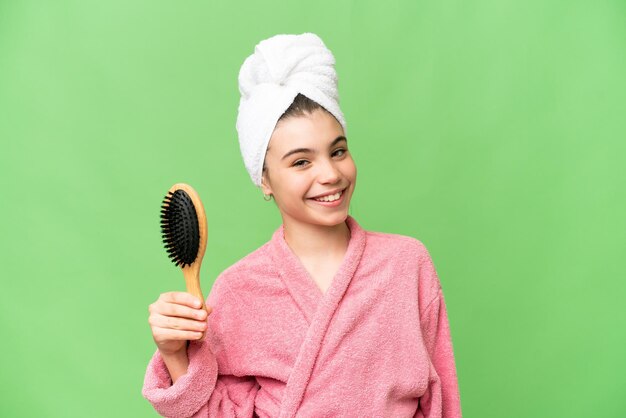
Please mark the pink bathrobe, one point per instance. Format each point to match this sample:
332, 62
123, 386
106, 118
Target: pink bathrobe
376, 344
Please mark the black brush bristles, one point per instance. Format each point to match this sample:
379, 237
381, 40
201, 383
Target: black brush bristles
179, 225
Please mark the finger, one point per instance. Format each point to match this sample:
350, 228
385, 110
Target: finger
182, 311
166, 334
183, 298
172, 322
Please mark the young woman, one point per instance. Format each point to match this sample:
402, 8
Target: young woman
326, 318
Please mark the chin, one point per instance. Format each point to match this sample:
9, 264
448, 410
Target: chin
331, 219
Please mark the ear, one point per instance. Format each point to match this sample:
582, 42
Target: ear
264, 185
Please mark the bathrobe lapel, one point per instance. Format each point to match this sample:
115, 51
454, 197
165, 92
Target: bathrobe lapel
317, 307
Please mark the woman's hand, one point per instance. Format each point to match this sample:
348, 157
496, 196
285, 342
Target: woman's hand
175, 318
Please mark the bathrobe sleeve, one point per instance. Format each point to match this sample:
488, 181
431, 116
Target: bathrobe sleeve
442, 398
203, 391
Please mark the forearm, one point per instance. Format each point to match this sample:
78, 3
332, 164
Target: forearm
177, 363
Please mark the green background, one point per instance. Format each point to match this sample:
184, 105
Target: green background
493, 131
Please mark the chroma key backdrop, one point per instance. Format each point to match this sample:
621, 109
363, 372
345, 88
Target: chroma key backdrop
492, 131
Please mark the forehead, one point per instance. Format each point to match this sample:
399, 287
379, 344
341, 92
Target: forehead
313, 130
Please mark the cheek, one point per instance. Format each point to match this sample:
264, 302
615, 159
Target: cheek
350, 169
295, 186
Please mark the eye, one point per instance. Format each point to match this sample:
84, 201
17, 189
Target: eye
300, 163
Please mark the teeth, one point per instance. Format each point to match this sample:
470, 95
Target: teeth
330, 198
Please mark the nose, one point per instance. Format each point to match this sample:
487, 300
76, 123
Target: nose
329, 173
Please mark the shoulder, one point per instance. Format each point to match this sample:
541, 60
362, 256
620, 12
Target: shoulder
252, 265
254, 260
398, 243
413, 257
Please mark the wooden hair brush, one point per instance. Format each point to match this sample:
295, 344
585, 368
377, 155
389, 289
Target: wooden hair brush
183, 224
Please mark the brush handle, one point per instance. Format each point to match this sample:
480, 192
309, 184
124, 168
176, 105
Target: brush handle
192, 279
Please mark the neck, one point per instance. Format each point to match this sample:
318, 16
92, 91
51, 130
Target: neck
316, 241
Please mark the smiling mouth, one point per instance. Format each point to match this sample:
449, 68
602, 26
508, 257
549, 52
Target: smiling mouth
330, 198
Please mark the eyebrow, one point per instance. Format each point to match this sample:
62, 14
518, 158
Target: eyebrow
332, 144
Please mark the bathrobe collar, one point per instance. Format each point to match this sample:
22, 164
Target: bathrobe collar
299, 282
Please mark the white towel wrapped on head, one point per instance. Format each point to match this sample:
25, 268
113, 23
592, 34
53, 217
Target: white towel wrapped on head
269, 80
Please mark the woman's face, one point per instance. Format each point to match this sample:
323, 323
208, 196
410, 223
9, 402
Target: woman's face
323, 166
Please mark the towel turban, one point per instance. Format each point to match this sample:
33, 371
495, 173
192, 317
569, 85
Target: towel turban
269, 80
